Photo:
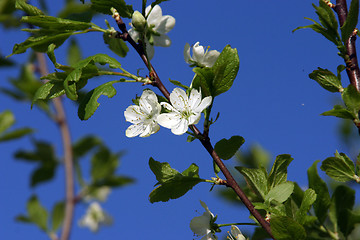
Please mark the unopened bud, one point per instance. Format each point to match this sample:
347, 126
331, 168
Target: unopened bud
138, 21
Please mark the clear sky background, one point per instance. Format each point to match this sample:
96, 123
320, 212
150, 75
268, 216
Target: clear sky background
272, 102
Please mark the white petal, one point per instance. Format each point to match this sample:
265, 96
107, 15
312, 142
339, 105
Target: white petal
210, 58
181, 127
204, 104
179, 99
150, 51
134, 34
169, 120
154, 16
235, 231
168, 106
194, 98
134, 130
206, 208
166, 23
150, 95
187, 56
194, 118
162, 41
200, 225
198, 53
150, 129
133, 114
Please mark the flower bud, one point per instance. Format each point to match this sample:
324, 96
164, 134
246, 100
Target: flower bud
138, 21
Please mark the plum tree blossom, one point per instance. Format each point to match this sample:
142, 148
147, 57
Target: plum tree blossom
94, 217
200, 57
236, 234
185, 110
144, 116
155, 30
201, 225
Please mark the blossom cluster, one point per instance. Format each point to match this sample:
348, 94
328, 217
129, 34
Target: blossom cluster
182, 112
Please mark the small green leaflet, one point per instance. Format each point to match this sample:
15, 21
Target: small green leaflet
103, 6
226, 149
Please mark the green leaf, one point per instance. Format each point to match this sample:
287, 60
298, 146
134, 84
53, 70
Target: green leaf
57, 215
280, 193
55, 24
322, 202
84, 145
308, 200
226, 149
342, 203
257, 180
298, 195
7, 119
285, 228
37, 214
278, 172
179, 84
326, 16
40, 43
157, 2
89, 103
103, 164
18, 133
340, 112
351, 21
225, 69
78, 12
327, 80
172, 183
103, 6
116, 45
351, 99
73, 53
29, 9
86, 66
203, 79
339, 168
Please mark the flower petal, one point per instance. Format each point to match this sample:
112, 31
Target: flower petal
187, 56
169, 120
133, 114
200, 225
194, 98
210, 58
134, 130
194, 118
179, 99
154, 16
166, 23
150, 129
150, 51
162, 40
168, 106
198, 53
204, 104
134, 34
181, 127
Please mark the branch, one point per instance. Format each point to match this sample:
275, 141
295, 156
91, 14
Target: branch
352, 66
206, 141
60, 119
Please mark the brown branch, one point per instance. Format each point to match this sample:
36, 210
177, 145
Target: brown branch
205, 141
60, 119
352, 66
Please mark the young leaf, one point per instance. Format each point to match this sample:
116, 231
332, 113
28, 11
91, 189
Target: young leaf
226, 149
351, 21
308, 200
89, 103
57, 215
256, 179
85, 144
116, 45
340, 112
327, 80
203, 79
339, 168
103, 6
280, 193
278, 172
322, 202
37, 214
342, 202
157, 2
7, 119
73, 53
103, 164
172, 183
18, 133
55, 24
29, 9
179, 84
351, 99
225, 69
284, 228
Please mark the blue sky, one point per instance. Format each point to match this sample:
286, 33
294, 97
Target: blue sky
272, 103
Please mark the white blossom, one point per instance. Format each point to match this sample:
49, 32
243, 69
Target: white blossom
144, 116
94, 217
99, 194
157, 26
185, 110
236, 234
200, 57
201, 225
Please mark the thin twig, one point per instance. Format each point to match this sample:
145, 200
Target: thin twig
206, 140
61, 121
352, 65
